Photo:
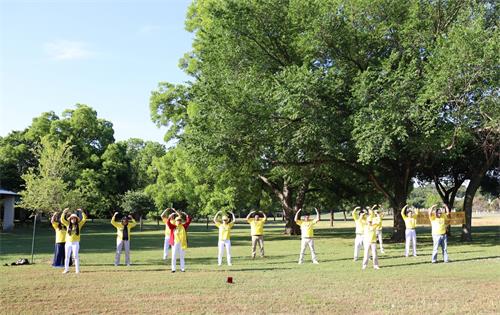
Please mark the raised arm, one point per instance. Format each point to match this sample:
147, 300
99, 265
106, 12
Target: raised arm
233, 217
188, 220
265, 216
84, 218
53, 218
215, 217
431, 211
113, 220
249, 214
403, 212
164, 214
63, 217
317, 216
169, 224
297, 215
132, 222
355, 213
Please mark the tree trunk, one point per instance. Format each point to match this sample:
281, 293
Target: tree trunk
140, 222
291, 228
331, 218
398, 231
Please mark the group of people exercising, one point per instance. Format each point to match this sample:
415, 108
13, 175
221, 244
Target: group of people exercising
368, 223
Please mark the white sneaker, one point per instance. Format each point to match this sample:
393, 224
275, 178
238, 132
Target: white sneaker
382, 251
364, 267
300, 262
376, 267
315, 262
77, 272
128, 265
65, 271
230, 264
355, 259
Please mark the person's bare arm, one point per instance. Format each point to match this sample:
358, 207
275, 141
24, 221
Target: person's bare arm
233, 216
317, 215
265, 216
215, 217
297, 215
249, 214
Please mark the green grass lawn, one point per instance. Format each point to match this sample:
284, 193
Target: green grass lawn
276, 284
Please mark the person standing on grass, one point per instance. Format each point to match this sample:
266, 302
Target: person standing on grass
59, 249
307, 235
360, 222
370, 239
179, 239
168, 233
257, 231
410, 233
73, 229
439, 219
379, 227
224, 236
123, 237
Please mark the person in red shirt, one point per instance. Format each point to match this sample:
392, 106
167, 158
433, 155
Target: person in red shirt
178, 240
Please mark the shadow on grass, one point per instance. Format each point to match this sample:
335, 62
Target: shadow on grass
429, 263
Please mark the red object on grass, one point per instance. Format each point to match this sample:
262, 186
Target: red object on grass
229, 279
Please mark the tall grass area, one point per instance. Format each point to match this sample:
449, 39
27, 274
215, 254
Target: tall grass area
275, 284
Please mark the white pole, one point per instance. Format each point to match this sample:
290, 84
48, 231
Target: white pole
33, 239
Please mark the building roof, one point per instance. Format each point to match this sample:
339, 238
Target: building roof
4, 192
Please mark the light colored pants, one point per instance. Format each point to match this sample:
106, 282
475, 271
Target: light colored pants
166, 246
177, 251
222, 244
72, 247
258, 239
358, 243
440, 240
366, 257
119, 246
411, 237
379, 237
304, 243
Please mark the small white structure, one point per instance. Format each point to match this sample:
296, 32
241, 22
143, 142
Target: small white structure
8, 199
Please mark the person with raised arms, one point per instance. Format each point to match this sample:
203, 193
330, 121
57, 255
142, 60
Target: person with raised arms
439, 220
360, 222
379, 226
370, 239
59, 250
224, 236
410, 232
307, 235
73, 230
179, 240
257, 231
168, 233
123, 237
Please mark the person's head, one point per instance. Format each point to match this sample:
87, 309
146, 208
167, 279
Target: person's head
73, 219
125, 220
409, 213
370, 222
439, 212
306, 217
178, 220
225, 219
256, 217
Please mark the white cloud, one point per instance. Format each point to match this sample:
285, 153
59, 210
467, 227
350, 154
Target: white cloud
68, 50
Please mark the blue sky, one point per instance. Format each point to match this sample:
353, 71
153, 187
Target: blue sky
108, 54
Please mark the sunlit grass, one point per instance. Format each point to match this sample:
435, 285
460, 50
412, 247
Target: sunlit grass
276, 284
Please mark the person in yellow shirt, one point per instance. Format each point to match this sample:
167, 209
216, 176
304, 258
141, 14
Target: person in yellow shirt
257, 231
73, 229
224, 236
59, 251
379, 227
360, 226
123, 237
439, 219
178, 241
307, 235
370, 239
410, 233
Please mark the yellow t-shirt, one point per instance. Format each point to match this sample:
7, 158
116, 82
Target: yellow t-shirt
439, 224
60, 233
370, 233
180, 236
73, 237
380, 223
119, 228
224, 230
411, 223
360, 222
306, 228
256, 227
